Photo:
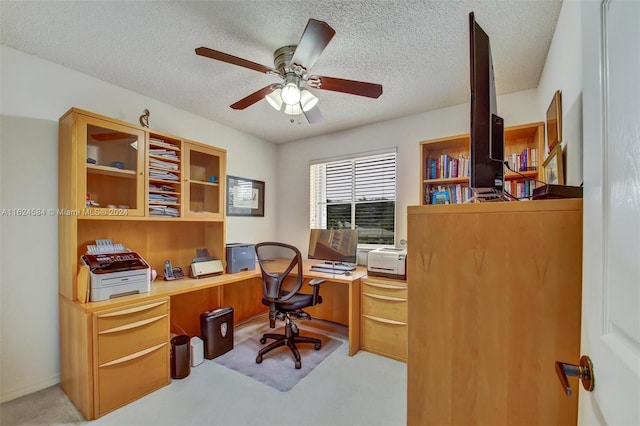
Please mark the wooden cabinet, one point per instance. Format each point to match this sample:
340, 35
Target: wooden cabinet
134, 186
131, 353
204, 171
384, 317
494, 300
444, 163
110, 163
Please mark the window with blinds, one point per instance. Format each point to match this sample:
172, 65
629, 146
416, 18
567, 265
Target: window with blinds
356, 193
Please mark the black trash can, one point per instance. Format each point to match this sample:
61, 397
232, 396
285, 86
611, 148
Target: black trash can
180, 357
216, 327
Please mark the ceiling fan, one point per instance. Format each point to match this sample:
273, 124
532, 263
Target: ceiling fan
292, 65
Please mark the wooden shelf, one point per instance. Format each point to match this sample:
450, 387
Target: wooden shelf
111, 171
516, 140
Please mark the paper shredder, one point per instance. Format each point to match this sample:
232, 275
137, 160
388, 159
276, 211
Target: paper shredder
216, 328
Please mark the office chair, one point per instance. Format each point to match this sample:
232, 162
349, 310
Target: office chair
283, 299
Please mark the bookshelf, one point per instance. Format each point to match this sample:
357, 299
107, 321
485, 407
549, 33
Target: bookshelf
444, 163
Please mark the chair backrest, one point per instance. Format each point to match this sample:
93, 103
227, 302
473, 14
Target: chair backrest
276, 261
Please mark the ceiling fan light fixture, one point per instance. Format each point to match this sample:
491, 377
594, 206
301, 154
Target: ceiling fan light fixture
307, 100
275, 99
293, 109
290, 90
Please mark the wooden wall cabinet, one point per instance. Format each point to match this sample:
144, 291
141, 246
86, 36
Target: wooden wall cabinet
444, 163
384, 317
134, 186
204, 175
494, 300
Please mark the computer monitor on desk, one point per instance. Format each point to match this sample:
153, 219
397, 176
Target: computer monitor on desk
337, 248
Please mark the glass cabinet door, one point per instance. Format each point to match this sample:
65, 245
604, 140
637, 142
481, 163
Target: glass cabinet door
204, 168
112, 157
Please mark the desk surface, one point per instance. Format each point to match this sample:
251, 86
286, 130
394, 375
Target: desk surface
161, 288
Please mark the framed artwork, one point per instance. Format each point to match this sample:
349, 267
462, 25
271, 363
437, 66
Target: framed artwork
554, 121
245, 197
553, 167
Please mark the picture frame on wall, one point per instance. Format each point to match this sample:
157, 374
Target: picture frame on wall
554, 121
554, 167
245, 197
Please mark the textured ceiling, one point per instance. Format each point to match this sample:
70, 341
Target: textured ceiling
417, 49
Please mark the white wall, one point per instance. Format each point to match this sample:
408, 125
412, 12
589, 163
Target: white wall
35, 93
563, 71
403, 133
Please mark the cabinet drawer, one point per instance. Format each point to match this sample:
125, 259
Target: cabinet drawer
384, 337
126, 379
388, 307
385, 288
135, 313
133, 337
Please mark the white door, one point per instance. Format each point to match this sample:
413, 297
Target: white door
611, 262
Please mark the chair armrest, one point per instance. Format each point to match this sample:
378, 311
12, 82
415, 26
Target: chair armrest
315, 283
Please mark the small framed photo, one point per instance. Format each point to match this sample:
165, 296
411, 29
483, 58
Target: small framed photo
553, 167
245, 197
554, 121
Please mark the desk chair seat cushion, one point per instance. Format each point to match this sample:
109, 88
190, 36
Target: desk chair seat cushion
297, 301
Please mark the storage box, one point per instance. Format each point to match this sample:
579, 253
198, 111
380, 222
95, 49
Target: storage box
216, 328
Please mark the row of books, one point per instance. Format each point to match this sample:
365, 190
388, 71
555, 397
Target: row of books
520, 189
447, 194
523, 161
445, 166
458, 193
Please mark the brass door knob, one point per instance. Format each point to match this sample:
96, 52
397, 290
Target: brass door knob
584, 372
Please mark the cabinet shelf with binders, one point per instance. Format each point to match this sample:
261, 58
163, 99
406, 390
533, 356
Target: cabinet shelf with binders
445, 163
164, 176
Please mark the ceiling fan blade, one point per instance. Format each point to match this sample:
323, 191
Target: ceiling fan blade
314, 115
234, 60
315, 38
254, 97
360, 88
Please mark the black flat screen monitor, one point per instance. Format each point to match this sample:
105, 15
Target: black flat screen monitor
487, 128
334, 245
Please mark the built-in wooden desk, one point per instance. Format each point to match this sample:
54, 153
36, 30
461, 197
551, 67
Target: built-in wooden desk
102, 343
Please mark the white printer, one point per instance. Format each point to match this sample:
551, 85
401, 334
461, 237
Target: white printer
387, 262
117, 274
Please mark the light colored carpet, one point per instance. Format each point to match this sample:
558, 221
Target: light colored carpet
362, 390
277, 368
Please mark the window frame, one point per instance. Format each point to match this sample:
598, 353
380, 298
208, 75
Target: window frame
317, 192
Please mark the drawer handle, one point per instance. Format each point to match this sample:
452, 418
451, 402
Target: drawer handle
384, 320
133, 356
131, 310
390, 298
132, 325
393, 287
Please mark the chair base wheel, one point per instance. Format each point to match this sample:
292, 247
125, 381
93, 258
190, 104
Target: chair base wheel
317, 346
263, 340
259, 359
298, 365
